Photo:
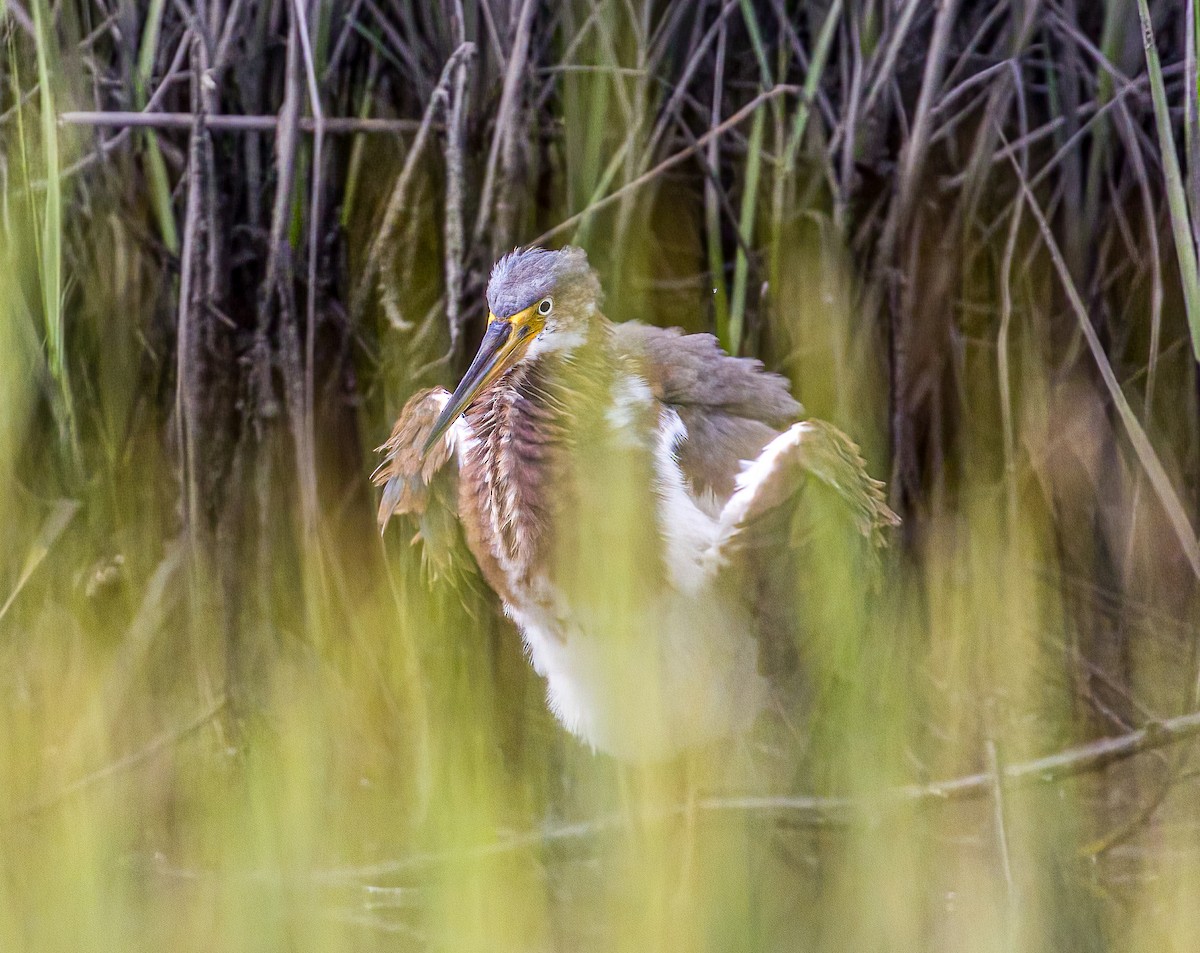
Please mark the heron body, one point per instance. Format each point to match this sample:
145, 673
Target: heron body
610, 483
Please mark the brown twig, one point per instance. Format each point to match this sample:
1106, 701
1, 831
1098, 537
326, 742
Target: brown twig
397, 202
187, 394
455, 244
1050, 769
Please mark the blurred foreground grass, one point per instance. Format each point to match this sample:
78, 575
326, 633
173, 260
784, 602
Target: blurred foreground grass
231, 719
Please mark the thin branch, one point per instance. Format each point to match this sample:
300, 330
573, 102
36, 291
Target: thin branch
173, 72
668, 163
341, 125
349, 18
163, 742
187, 387
455, 242
1050, 769
831, 811
225, 43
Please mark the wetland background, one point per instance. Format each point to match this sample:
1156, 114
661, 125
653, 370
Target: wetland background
237, 234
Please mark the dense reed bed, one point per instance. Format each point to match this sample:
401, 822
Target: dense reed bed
237, 234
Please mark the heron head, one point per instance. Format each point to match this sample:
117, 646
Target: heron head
539, 302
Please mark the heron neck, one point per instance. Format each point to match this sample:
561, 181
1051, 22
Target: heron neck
512, 471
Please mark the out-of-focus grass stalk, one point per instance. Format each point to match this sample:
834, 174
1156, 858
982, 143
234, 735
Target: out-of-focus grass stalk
50, 243
585, 94
55, 523
605, 181
156, 168
1185, 247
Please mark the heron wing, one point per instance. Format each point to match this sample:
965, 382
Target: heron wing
422, 488
806, 453
743, 443
730, 406
799, 536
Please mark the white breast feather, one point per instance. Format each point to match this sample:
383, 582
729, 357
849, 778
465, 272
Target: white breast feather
689, 532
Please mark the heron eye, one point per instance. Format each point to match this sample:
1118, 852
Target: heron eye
545, 306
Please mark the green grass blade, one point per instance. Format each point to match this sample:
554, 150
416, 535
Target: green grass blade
51, 231
731, 334
756, 42
1112, 36
50, 251
1185, 248
156, 167
816, 69
786, 168
712, 205
732, 341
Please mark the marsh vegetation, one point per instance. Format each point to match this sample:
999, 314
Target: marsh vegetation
237, 234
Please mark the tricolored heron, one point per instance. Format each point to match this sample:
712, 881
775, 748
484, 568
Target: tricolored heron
562, 419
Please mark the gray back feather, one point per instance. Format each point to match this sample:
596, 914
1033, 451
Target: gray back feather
691, 370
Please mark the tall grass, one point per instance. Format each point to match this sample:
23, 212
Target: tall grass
232, 718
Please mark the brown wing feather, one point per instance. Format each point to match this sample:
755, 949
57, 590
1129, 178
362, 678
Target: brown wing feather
405, 475
691, 370
813, 449
423, 488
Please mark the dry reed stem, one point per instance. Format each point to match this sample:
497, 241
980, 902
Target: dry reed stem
147, 119
383, 243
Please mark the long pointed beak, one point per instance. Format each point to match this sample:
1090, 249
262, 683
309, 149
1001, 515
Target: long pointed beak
499, 350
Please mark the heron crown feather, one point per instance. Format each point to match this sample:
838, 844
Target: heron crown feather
526, 275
